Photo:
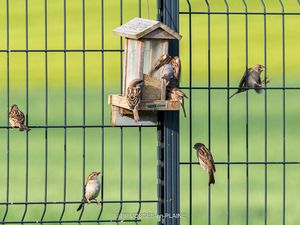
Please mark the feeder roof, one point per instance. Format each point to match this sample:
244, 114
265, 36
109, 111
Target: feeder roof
143, 28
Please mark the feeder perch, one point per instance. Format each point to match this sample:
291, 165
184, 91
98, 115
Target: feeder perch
145, 42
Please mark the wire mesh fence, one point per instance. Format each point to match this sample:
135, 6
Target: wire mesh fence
59, 61
253, 143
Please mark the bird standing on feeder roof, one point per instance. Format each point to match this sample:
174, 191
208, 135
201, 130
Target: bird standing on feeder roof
171, 71
133, 96
251, 79
206, 161
17, 118
91, 189
175, 93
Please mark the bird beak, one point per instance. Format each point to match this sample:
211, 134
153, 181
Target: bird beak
262, 68
98, 173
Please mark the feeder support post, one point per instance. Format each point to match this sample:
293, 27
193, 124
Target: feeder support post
168, 135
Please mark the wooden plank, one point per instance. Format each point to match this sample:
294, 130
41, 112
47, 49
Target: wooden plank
138, 28
125, 67
147, 105
114, 111
146, 119
158, 34
134, 62
151, 88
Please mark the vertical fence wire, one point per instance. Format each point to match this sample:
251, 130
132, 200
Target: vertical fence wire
228, 106
139, 149
102, 114
283, 115
27, 150
190, 113
8, 105
46, 109
121, 128
247, 113
139, 174
265, 117
83, 107
65, 114
208, 99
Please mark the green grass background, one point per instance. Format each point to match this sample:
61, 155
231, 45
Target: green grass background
111, 67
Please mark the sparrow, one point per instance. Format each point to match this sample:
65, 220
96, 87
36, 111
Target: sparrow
251, 79
133, 96
206, 161
17, 118
172, 68
91, 189
175, 93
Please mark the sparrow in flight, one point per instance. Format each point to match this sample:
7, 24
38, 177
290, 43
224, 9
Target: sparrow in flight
251, 79
171, 69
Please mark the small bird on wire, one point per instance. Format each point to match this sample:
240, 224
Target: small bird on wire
206, 161
251, 79
91, 189
171, 69
133, 97
16, 118
175, 93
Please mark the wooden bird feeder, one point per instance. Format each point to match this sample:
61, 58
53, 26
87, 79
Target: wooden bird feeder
145, 42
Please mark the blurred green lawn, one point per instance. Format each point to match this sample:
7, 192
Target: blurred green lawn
93, 97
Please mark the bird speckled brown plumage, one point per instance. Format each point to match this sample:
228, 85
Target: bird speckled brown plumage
174, 93
17, 118
171, 69
206, 161
91, 189
251, 79
133, 96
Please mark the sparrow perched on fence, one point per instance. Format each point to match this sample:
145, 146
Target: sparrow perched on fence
133, 96
251, 79
206, 161
91, 189
175, 93
172, 69
17, 118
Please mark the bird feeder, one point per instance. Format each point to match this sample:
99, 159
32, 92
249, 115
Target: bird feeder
145, 42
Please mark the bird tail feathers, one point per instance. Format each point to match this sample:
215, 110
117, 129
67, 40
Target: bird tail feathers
136, 114
24, 128
211, 178
80, 206
234, 94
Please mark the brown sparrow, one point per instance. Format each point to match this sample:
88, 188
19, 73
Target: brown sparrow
17, 118
175, 93
133, 97
171, 69
91, 189
206, 161
252, 79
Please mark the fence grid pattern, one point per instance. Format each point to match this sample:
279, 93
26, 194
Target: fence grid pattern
191, 13
78, 218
